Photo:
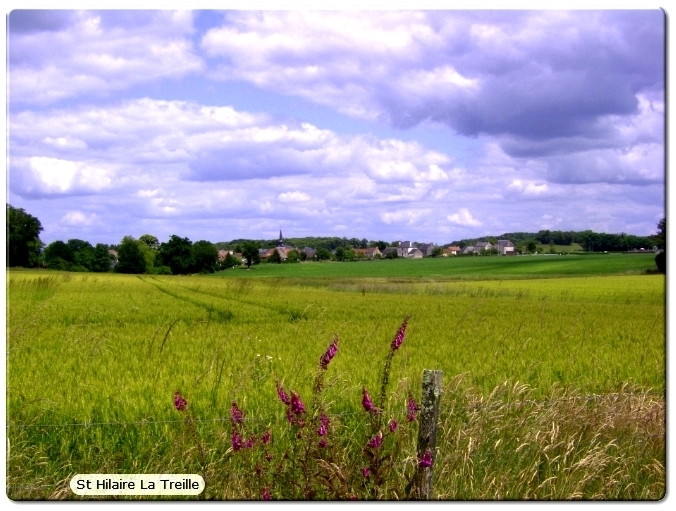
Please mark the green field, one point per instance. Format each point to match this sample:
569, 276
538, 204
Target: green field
463, 267
93, 361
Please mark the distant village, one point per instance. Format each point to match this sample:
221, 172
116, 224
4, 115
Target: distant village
404, 249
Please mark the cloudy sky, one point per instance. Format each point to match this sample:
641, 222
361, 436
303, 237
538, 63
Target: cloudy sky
429, 125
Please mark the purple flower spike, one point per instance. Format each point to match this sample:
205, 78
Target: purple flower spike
366, 401
290, 416
179, 402
365, 472
329, 353
393, 425
249, 443
236, 441
297, 406
322, 443
412, 409
323, 424
426, 460
236, 414
399, 338
376, 441
283, 395
266, 494
266, 437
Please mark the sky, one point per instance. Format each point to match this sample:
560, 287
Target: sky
430, 125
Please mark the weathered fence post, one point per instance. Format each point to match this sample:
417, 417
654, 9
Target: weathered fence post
427, 432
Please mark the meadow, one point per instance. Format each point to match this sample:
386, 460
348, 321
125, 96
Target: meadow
554, 372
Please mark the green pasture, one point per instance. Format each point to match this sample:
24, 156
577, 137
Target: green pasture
460, 267
96, 349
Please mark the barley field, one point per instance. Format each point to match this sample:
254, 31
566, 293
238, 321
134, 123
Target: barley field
554, 386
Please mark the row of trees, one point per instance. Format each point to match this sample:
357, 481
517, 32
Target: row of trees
589, 240
181, 256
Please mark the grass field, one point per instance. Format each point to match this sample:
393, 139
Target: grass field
483, 267
569, 371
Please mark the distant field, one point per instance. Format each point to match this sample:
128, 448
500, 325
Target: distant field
481, 267
110, 350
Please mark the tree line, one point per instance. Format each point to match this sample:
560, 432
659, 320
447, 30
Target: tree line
181, 256
589, 240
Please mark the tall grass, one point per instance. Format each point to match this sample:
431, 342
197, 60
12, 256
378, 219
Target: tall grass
93, 362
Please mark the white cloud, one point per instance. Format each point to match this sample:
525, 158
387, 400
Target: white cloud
96, 53
54, 175
80, 219
293, 197
463, 218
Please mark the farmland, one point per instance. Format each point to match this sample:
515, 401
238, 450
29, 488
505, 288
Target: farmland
93, 361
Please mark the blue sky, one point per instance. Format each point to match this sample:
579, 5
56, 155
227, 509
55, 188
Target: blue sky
390, 124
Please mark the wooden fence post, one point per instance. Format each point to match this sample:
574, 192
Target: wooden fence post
427, 432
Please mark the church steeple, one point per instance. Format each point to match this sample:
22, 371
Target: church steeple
280, 243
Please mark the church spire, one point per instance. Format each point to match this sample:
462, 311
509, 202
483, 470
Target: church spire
280, 243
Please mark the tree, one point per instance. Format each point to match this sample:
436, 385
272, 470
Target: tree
661, 261
322, 254
83, 255
250, 253
177, 254
58, 256
438, 252
275, 257
230, 261
149, 255
101, 261
302, 255
204, 256
293, 256
531, 247
150, 240
23, 238
130, 257
661, 236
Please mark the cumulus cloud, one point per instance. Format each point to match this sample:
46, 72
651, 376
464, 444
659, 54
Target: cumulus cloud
55, 55
78, 218
293, 197
463, 218
530, 74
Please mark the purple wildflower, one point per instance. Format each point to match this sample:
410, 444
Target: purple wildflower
249, 443
283, 395
393, 425
322, 443
290, 416
365, 472
268, 456
297, 406
179, 402
266, 494
426, 460
412, 409
266, 437
236, 441
329, 353
324, 424
366, 401
399, 338
376, 441
236, 414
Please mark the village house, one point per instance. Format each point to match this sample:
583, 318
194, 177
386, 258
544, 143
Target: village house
482, 245
506, 247
451, 251
427, 249
408, 250
369, 253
